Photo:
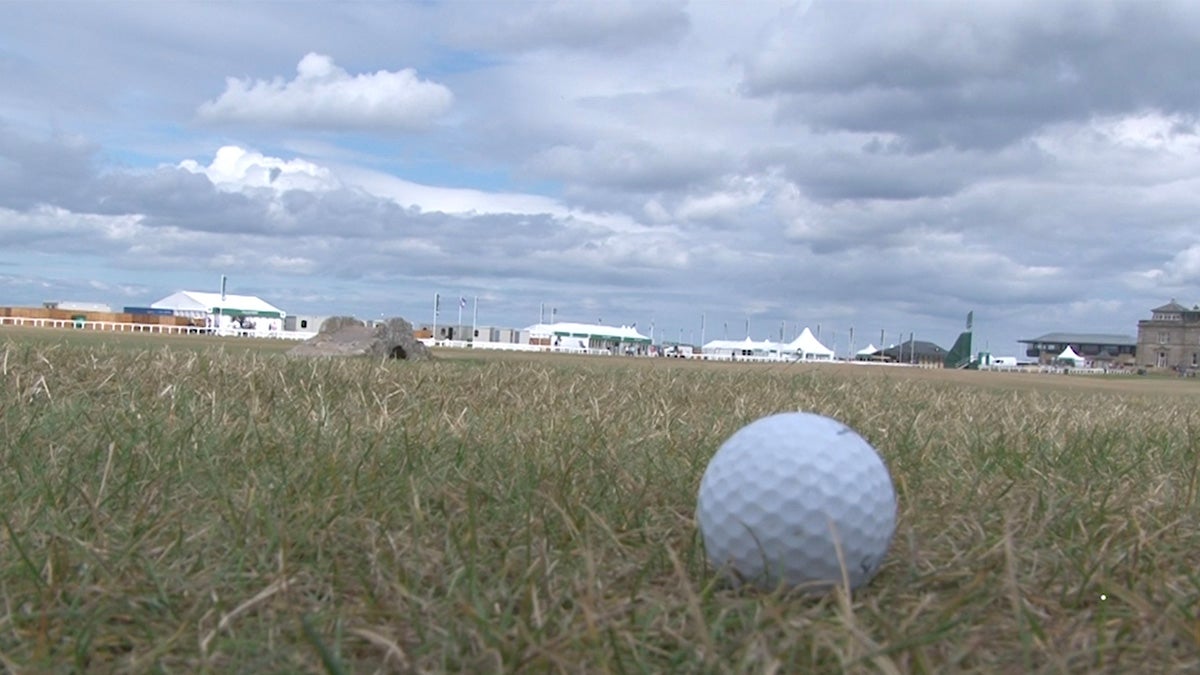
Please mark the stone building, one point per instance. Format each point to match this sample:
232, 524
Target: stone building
1170, 338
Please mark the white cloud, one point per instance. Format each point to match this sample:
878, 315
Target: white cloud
322, 95
290, 264
234, 168
49, 223
1153, 131
431, 198
739, 194
1182, 269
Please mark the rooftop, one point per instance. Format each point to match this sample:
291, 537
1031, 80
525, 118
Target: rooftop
1083, 339
1171, 306
919, 349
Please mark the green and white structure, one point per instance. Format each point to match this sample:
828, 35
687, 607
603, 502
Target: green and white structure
587, 337
225, 312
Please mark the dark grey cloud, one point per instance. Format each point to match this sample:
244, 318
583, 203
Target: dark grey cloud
877, 170
632, 166
972, 75
46, 170
615, 26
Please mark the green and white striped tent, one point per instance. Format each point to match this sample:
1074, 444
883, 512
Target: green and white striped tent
588, 336
199, 304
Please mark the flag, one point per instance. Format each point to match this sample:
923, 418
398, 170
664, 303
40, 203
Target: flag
462, 302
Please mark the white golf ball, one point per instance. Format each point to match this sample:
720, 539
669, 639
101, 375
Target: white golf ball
791, 497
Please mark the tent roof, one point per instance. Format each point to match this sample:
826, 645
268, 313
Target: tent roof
868, 350
200, 302
807, 343
764, 345
566, 328
1069, 354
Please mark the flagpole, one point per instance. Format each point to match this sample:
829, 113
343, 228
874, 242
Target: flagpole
221, 308
461, 301
475, 319
437, 301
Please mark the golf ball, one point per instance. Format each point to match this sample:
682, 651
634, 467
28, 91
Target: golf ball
797, 498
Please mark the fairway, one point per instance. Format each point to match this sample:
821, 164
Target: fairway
186, 504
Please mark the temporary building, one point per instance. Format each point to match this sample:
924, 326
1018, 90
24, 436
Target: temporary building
199, 304
1068, 355
743, 348
866, 353
240, 314
568, 335
808, 348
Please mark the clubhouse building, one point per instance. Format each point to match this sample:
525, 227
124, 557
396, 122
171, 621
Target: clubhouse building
1096, 348
1170, 338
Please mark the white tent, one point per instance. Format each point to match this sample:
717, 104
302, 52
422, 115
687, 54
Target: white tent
199, 304
586, 330
1069, 355
245, 314
742, 348
867, 351
809, 348
588, 336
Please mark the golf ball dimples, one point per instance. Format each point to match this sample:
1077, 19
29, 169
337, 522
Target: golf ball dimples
782, 490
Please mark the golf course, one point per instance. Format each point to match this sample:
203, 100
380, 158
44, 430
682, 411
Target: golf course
184, 504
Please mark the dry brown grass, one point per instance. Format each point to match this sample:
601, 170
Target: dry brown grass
181, 510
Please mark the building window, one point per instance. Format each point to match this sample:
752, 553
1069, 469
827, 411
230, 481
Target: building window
1163, 337
1194, 357
304, 323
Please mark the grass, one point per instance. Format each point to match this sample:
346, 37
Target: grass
173, 508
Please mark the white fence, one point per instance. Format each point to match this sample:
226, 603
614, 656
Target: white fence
117, 327
1058, 370
511, 347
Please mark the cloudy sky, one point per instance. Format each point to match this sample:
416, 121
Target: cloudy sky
876, 166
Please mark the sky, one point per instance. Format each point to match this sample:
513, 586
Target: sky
875, 167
